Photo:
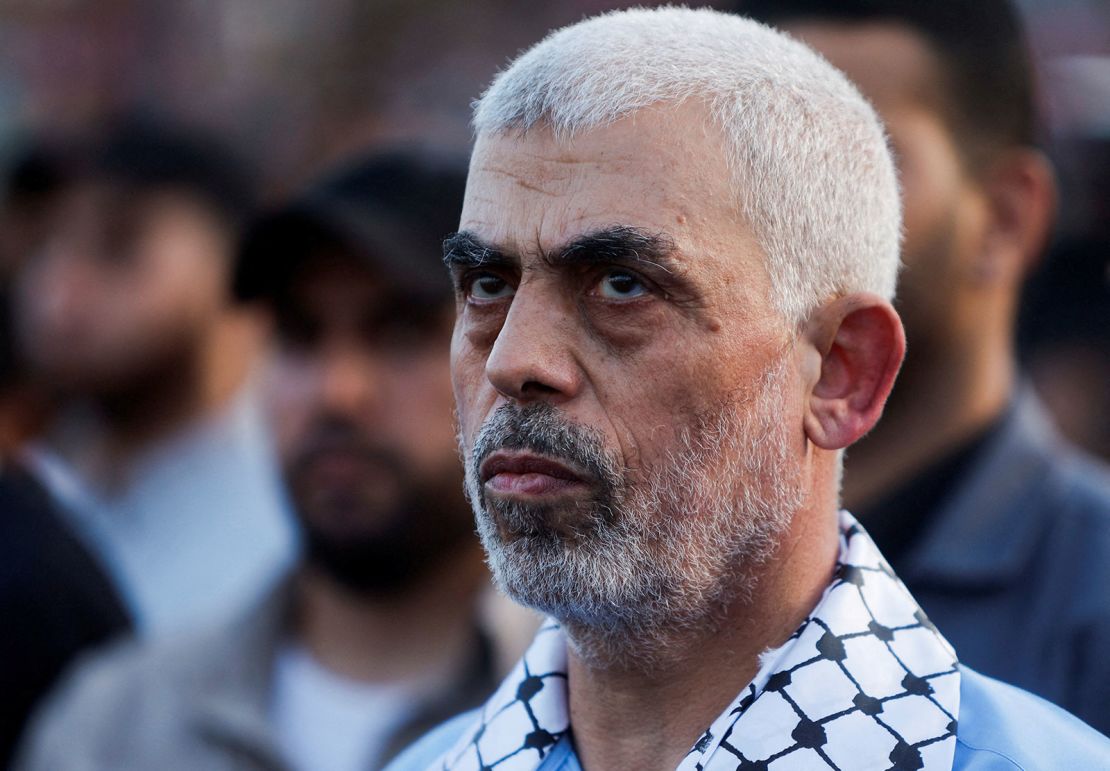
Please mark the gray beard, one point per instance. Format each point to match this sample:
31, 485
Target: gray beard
650, 565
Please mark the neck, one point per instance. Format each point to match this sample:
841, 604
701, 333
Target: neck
947, 392
627, 718
418, 634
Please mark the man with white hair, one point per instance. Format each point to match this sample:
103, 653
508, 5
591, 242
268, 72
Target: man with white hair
673, 275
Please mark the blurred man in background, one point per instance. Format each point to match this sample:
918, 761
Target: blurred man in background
157, 451
375, 638
997, 526
55, 598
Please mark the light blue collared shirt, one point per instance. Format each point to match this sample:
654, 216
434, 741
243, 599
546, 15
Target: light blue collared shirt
201, 528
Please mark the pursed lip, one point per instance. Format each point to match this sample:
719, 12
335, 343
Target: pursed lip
525, 473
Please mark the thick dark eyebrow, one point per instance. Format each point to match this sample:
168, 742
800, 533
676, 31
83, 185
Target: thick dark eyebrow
615, 244
466, 250
618, 244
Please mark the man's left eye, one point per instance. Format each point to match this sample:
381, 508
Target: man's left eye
621, 285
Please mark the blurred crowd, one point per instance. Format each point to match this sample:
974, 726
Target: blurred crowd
232, 516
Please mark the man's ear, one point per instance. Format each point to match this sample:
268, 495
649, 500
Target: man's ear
858, 342
1021, 193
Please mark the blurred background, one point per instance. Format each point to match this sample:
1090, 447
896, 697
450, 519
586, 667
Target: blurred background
296, 86
132, 385
296, 83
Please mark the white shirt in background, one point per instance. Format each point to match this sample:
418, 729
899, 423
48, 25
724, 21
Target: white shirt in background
324, 722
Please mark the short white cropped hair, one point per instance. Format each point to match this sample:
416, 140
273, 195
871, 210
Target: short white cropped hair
809, 158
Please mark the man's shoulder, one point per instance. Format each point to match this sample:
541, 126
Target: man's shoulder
1083, 483
137, 663
1076, 510
1003, 727
1075, 481
1032, 516
132, 695
103, 691
134, 664
422, 753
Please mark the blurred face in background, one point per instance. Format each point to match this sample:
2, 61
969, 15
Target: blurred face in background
945, 208
121, 288
362, 410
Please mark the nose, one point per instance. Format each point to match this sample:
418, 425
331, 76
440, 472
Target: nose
350, 381
532, 358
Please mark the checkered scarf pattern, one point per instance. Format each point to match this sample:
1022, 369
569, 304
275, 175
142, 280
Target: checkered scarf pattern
866, 682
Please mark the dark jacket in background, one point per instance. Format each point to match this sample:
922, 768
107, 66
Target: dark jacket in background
1014, 568
55, 601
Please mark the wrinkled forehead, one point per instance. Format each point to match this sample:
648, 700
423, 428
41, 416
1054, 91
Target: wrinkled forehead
660, 170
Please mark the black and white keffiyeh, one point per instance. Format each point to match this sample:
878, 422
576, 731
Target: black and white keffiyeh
866, 682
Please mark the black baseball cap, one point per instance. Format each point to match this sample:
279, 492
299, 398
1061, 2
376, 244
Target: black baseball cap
391, 209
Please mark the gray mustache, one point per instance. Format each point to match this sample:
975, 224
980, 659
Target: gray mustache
540, 428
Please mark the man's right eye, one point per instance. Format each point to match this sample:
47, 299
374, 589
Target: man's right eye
488, 287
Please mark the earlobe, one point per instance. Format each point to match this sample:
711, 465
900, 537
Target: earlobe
860, 342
